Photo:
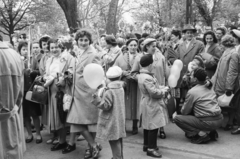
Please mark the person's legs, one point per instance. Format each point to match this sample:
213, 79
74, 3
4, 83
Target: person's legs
145, 137
62, 135
152, 139
116, 146
36, 122
72, 139
27, 121
135, 127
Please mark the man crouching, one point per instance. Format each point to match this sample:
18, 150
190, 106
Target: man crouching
201, 115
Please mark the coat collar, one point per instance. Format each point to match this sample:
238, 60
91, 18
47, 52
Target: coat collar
115, 85
144, 71
190, 47
212, 47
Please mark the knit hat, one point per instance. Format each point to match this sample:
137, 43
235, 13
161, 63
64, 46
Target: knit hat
200, 74
146, 60
110, 39
199, 58
114, 72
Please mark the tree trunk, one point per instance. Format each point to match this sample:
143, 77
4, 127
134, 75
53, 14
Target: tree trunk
69, 8
111, 26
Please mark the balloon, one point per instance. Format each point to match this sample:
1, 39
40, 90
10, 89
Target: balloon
179, 63
190, 67
93, 75
172, 81
174, 69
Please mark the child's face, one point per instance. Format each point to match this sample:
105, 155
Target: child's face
195, 64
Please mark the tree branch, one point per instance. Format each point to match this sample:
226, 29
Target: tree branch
4, 32
20, 18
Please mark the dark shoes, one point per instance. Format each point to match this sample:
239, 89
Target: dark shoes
228, 127
88, 153
38, 141
162, 135
59, 146
154, 154
69, 148
29, 140
213, 135
146, 147
135, 131
235, 132
201, 139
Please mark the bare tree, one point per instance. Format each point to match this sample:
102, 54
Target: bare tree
13, 16
111, 26
69, 8
208, 9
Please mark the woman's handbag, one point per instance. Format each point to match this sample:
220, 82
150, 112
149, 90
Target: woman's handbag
37, 93
224, 100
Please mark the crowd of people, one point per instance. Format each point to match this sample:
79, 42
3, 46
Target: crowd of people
136, 88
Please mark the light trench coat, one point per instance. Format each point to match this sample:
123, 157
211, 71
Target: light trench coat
154, 110
82, 111
50, 112
12, 140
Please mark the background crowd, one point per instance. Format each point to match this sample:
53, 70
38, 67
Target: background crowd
137, 68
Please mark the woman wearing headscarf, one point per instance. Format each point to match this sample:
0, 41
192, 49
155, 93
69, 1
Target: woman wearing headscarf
125, 61
159, 68
83, 115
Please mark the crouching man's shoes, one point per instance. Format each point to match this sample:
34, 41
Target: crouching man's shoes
201, 139
213, 135
154, 153
235, 132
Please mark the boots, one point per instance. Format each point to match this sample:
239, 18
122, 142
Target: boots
135, 127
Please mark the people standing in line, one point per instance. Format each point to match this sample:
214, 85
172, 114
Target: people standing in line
12, 140
153, 106
132, 95
30, 109
111, 122
200, 112
83, 115
211, 53
159, 68
186, 52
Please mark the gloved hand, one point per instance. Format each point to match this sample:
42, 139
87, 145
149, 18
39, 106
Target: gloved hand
228, 93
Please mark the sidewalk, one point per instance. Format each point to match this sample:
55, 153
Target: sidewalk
175, 146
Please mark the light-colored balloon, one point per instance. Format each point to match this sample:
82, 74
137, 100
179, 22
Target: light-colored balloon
174, 69
190, 67
179, 63
93, 75
172, 81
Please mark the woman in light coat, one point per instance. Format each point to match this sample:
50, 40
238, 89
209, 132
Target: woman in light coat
56, 65
153, 106
132, 95
83, 115
225, 78
159, 68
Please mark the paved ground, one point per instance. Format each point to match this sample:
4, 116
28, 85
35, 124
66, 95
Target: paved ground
176, 146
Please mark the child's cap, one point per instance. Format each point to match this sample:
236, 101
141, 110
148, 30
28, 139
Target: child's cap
146, 60
199, 58
114, 72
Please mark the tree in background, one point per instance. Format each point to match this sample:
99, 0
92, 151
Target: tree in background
111, 27
70, 10
14, 16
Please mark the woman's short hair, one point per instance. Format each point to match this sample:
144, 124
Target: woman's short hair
213, 36
177, 33
228, 41
222, 30
82, 33
56, 41
145, 47
43, 39
21, 45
